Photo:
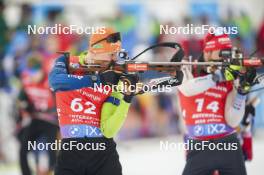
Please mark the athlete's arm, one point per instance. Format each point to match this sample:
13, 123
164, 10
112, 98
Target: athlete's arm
194, 86
234, 108
113, 115
60, 80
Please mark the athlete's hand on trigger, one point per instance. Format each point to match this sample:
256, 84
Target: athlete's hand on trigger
130, 83
246, 80
110, 77
232, 72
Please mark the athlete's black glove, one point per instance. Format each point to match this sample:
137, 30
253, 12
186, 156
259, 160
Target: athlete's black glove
177, 80
250, 109
130, 82
246, 81
109, 77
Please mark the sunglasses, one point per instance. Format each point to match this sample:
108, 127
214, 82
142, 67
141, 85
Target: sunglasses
112, 38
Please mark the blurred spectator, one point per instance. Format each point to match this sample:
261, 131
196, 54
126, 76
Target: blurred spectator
260, 39
5, 101
26, 17
245, 32
3, 44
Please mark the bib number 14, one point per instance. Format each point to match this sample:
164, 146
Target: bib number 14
78, 106
213, 106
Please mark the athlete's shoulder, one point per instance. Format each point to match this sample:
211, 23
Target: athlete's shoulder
60, 62
61, 80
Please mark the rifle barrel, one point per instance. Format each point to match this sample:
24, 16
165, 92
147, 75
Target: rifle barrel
187, 63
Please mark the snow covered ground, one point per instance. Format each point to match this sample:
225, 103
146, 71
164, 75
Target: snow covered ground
144, 156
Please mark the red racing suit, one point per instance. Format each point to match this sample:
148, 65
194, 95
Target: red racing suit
204, 114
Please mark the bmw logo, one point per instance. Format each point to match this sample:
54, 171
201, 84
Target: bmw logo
74, 131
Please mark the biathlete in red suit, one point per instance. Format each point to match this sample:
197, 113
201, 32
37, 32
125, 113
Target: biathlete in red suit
212, 108
38, 116
89, 117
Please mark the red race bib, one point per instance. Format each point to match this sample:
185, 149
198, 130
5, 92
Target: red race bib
81, 106
204, 114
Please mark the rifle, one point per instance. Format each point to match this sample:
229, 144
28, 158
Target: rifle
128, 66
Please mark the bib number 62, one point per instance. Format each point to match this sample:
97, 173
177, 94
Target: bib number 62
77, 106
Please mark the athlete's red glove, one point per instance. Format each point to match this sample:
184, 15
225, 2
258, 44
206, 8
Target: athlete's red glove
247, 147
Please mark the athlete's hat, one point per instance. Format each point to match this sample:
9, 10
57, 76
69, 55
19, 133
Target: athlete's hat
216, 41
105, 40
